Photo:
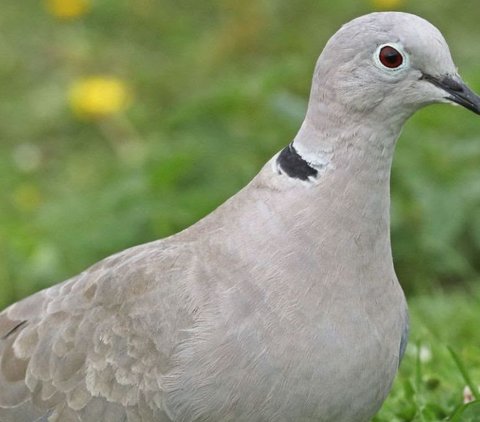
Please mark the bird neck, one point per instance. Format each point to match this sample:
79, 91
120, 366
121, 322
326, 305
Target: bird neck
353, 192
332, 136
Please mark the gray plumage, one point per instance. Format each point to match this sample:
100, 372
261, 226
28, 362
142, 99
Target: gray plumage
282, 304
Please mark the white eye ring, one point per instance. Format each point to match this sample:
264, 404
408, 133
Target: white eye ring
399, 49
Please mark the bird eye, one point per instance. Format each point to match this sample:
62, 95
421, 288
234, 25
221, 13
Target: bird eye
390, 57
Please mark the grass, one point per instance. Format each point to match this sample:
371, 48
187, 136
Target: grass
216, 88
441, 359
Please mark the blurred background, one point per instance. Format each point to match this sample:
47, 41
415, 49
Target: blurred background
124, 121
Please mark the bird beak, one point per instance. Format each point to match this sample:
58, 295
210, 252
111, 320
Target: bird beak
458, 91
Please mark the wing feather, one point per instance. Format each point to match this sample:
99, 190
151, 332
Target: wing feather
96, 346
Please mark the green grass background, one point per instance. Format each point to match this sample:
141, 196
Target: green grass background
218, 87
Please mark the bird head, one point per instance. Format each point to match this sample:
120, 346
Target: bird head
388, 64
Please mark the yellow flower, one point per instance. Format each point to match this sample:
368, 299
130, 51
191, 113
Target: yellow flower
67, 9
98, 97
388, 4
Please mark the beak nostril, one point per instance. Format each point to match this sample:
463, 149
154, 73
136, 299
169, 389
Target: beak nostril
445, 82
453, 84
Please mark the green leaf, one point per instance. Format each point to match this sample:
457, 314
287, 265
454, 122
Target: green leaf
459, 413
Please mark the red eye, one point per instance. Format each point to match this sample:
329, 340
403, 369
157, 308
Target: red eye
390, 57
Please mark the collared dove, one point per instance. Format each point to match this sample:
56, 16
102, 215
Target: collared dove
282, 304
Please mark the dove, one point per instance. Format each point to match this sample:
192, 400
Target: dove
280, 305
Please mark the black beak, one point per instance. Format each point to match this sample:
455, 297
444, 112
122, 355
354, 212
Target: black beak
458, 91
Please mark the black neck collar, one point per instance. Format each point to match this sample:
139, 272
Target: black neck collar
293, 165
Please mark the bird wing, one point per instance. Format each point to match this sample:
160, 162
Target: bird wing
96, 346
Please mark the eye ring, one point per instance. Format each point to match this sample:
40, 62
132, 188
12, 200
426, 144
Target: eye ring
390, 57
